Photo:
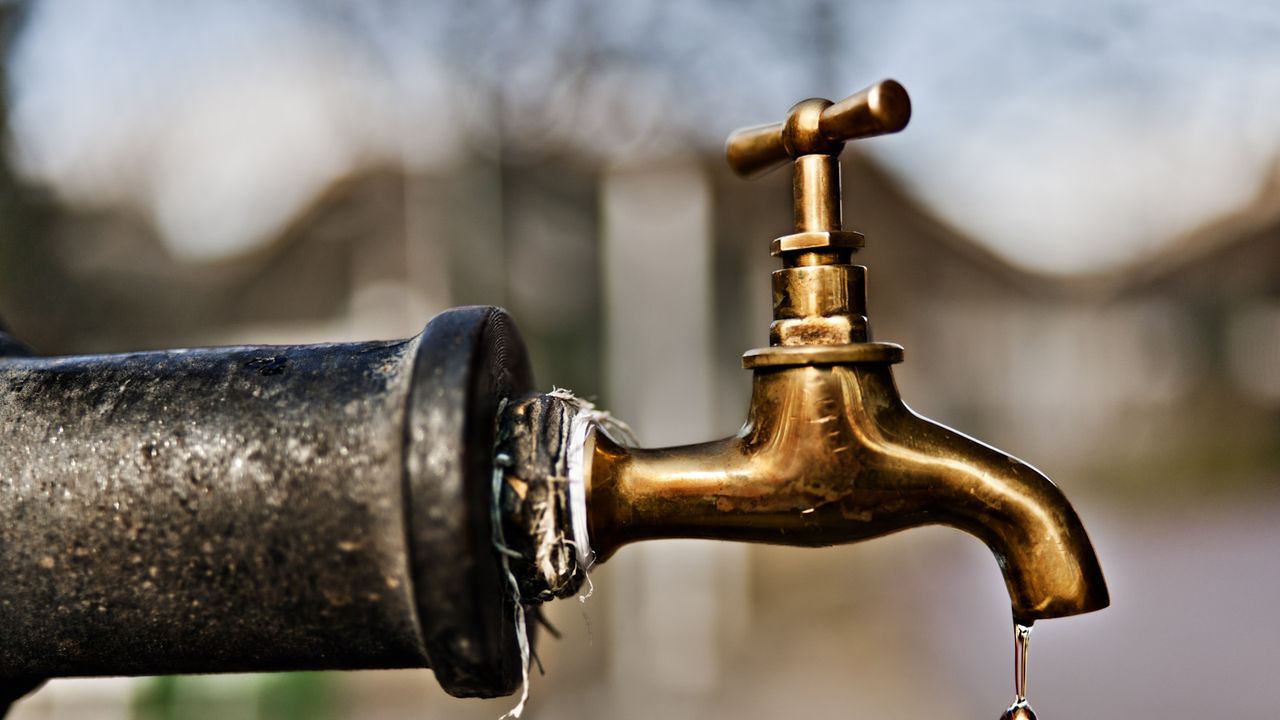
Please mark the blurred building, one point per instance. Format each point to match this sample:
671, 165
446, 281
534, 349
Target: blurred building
1149, 391
1148, 376
1055, 368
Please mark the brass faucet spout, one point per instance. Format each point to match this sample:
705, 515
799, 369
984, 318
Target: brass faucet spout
829, 455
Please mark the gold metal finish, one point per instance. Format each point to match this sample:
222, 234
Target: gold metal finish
832, 239
868, 352
831, 455
829, 452
878, 110
817, 193
819, 304
813, 308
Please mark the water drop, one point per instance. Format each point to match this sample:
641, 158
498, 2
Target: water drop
1021, 642
1020, 709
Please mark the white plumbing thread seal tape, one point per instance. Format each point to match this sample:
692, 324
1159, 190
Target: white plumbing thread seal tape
540, 448
586, 417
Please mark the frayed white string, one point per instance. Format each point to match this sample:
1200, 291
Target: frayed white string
500, 463
580, 426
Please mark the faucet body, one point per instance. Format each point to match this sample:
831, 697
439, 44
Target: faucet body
829, 452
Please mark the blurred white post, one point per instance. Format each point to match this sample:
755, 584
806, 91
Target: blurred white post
79, 699
670, 605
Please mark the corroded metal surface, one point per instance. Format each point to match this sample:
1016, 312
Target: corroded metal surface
258, 508
534, 447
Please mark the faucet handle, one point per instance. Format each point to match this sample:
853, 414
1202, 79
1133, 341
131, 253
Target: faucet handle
813, 135
817, 126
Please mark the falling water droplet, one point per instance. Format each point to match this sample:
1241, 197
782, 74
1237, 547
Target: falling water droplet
1021, 642
1020, 709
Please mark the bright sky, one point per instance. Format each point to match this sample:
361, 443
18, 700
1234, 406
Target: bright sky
1067, 135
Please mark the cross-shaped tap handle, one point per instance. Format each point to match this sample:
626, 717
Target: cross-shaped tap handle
813, 135
819, 127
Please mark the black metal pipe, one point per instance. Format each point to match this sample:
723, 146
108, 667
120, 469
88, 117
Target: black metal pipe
260, 508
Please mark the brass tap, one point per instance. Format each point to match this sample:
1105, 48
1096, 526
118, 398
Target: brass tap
830, 453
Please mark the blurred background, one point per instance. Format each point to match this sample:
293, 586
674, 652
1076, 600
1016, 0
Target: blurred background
1077, 240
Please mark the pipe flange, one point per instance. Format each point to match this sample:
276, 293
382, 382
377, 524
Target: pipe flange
470, 360
795, 355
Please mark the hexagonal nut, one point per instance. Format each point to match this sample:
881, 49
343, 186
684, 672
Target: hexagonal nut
837, 239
